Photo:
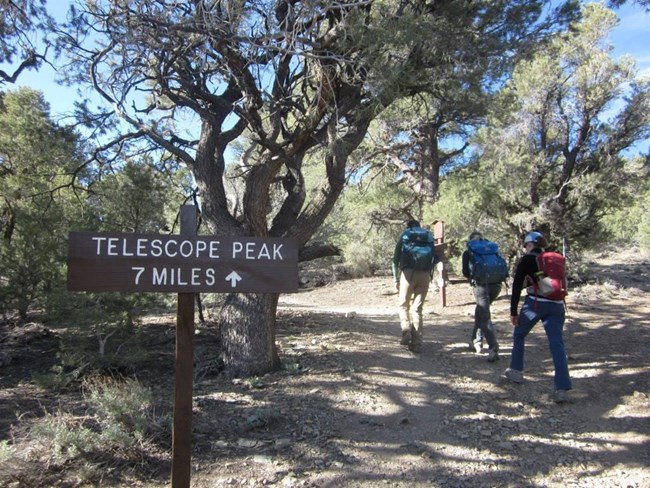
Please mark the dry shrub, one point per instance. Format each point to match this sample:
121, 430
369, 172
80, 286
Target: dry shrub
117, 423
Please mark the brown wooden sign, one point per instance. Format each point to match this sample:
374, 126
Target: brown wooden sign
182, 264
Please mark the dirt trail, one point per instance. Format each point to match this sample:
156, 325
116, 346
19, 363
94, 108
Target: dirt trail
353, 408
361, 411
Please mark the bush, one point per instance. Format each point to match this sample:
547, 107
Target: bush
643, 229
117, 418
63, 437
363, 259
6, 451
122, 408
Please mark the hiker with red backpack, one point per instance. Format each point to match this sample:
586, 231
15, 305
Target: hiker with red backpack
543, 272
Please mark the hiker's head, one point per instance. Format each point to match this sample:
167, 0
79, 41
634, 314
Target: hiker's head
534, 239
475, 236
412, 223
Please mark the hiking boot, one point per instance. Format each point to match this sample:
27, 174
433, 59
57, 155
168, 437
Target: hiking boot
514, 375
493, 355
560, 396
406, 338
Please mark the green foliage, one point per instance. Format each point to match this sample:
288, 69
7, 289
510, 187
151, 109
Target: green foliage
44, 194
136, 197
6, 450
367, 243
629, 221
420, 138
260, 418
468, 203
463, 204
104, 342
643, 230
118, 418
65, 436
21, 23
364, 258
122, 408
37, 200
55, 380
30, 266
548, 159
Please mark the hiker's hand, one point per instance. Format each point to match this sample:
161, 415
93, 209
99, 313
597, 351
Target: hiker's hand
514, 319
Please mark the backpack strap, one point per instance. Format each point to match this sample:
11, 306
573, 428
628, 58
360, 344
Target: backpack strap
536, 287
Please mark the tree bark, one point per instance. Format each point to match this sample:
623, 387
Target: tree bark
247, 324
309, 253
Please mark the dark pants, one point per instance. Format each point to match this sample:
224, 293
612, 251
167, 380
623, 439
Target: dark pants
485, 294
552, 316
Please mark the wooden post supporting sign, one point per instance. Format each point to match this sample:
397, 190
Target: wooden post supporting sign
439, 240
183, 378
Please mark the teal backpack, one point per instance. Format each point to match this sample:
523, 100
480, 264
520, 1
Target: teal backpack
486, 265
418, 250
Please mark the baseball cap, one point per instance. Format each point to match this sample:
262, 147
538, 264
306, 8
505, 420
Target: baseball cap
533, 237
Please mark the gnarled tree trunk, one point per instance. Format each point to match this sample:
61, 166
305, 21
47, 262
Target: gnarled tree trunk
247, 322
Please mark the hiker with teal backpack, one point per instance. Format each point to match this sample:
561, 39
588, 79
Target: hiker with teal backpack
486, 270
544, 274
413, 262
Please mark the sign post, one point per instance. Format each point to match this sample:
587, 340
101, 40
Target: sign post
439, 240
185, 264
183, 377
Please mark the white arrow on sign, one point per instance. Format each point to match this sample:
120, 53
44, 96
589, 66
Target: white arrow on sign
233, 278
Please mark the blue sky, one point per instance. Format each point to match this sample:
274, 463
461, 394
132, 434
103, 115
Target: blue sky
631, 37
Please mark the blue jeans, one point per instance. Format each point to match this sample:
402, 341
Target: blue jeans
483, 328
552, 316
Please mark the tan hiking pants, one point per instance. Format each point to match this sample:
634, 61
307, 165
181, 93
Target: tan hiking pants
413, 288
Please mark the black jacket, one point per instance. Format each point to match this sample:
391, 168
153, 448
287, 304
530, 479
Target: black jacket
524, 273
466, 265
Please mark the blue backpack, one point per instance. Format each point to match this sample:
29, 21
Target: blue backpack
418, 250
486, 265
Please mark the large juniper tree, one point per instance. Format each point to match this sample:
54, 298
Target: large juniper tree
555, 155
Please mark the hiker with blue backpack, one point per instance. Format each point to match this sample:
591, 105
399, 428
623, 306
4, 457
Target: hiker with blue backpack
486, 269
544, 274
413, 262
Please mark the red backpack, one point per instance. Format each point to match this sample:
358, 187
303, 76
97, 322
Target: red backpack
551, 278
